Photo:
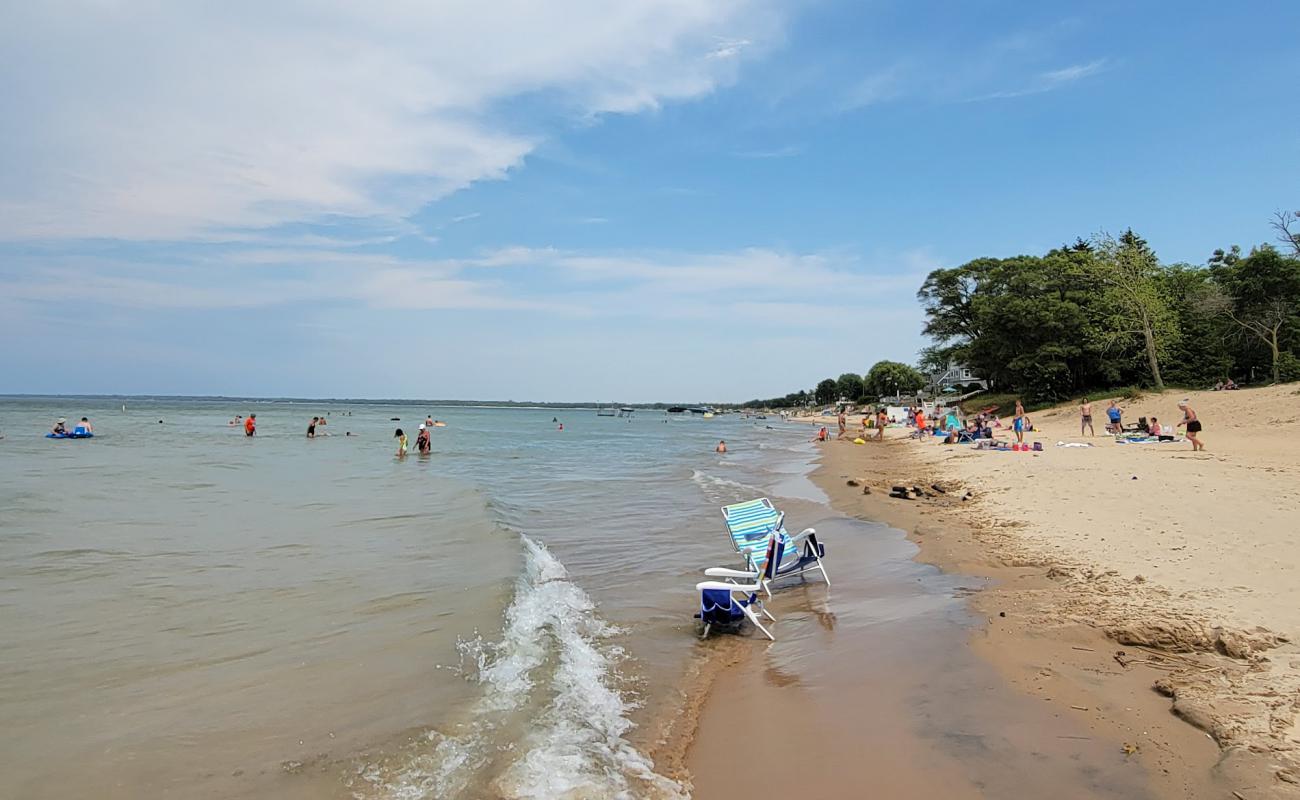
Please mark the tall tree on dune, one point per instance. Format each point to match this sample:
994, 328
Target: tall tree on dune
1261, 295
1134, 306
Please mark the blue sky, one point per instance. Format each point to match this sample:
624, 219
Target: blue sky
584, 200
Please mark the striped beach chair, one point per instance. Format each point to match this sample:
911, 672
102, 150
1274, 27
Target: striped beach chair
749, 525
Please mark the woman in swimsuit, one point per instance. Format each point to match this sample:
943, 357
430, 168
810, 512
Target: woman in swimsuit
1193, 424
401, 443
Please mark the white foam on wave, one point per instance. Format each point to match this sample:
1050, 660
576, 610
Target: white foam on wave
554, 654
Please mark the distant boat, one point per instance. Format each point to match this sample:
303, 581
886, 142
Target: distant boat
676, 409
625, 411
604, 412
708, 415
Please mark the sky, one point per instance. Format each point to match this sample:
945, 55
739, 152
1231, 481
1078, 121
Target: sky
583, 200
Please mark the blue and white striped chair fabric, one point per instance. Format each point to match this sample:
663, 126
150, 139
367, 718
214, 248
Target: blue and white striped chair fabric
750, 523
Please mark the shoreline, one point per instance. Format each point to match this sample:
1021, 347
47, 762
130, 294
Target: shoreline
1193, 678
1157, 666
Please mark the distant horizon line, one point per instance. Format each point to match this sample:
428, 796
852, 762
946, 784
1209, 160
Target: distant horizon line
372, 401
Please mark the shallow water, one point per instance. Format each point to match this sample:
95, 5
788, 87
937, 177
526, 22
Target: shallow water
185, 612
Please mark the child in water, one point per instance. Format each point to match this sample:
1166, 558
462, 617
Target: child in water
401, 443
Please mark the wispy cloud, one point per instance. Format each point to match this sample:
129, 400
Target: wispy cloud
1049, 81
878, 87
577, 283
788, 151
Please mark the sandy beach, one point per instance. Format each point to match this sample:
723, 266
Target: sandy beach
1142, 590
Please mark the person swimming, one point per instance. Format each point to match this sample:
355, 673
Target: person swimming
721, 448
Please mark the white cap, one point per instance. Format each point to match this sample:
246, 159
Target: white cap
421, 426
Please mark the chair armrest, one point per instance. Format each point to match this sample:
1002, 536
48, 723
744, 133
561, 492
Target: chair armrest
728, 587
803, 534
723, 572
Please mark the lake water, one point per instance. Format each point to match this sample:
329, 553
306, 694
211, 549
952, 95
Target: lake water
186, 612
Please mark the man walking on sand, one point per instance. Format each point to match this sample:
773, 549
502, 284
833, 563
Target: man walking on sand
843, 420
1085, 417
1193, 424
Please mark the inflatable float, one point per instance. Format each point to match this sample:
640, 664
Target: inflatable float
71, 435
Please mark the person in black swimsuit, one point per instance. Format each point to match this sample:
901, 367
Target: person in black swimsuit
1193, 424
311, 429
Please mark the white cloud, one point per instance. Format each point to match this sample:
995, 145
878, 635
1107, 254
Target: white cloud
140, 119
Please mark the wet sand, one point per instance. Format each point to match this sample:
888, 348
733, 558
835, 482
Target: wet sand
939, 683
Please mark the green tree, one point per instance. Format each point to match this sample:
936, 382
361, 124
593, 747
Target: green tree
893, 377
849, 386
826, 392
1128, 272
1203, 351
1261, 295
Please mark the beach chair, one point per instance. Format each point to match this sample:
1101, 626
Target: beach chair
749, 525
726, 603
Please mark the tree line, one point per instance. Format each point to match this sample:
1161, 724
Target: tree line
1106, 312
1101, 312
883, 379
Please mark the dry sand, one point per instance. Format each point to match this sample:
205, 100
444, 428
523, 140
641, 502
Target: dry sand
1128, 570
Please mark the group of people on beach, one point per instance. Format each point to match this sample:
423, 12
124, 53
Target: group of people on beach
1165, 433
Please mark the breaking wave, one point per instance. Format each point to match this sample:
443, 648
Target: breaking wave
550, 721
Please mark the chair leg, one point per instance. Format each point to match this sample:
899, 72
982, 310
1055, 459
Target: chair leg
754, 619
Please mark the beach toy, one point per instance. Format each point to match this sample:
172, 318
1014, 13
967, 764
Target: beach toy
71, 435
1038, 447
859, 440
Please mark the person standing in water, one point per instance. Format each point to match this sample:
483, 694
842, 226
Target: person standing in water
422, 442
1085, 417
311, 428
1193, 424
401, 443
250, 424
721, 448
428, 420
